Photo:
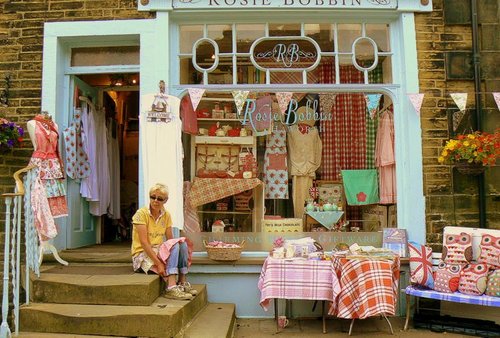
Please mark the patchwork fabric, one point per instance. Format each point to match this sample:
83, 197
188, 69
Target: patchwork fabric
490, 251
447, 277
473, 279
421, 265
458, 248
493, 285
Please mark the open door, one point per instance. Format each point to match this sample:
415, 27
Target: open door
81, 226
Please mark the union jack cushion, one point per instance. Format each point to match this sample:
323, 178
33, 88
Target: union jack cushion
421, 265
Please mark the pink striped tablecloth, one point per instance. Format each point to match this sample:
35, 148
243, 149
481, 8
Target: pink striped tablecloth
297, 279
369, 287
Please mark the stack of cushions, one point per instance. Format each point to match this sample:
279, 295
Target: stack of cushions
457, 271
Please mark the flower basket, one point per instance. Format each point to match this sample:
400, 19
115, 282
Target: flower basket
11, 135
221, 253
467, 168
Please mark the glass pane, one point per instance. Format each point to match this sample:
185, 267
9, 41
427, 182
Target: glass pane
221, 75
223, 35
386, 62
326, 70
189, 75
347, 33
284, 29
322, 34
248, 74
246, 34
205, 55
286, 77
188, 35
380, 34
365, 54
105, 56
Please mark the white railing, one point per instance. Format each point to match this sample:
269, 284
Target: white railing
14, 203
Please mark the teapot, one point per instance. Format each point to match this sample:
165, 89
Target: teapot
328, 207
310, 206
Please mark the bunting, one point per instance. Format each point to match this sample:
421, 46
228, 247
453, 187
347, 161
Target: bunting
283, 100
372, 102
416, 100
457, 118
460, 100
195, 94
326, 101
240, 97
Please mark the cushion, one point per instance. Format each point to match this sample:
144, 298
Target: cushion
421, 265
473, 279
490, 251
457, 248
447, 277
493, 285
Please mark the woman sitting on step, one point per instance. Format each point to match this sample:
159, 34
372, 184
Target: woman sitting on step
168, 259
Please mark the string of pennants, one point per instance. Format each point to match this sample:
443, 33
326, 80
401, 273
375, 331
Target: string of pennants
327, 100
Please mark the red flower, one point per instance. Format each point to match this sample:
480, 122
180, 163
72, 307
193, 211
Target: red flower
361, 197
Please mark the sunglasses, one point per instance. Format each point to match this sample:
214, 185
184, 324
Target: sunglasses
158, 198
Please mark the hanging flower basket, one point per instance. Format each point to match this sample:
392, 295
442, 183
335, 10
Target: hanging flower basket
467, 168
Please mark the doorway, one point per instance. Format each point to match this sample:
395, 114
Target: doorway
116, 106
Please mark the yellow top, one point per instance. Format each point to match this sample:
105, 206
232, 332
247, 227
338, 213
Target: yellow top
156, 228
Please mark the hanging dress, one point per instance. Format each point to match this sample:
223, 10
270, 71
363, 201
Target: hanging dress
77, 161
46, 158
385, 158
276, 166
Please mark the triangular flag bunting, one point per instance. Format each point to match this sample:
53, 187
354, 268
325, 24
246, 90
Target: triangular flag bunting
298, 96
457, 118
326, 101
372, 102
283, 100
416, 100
460, 100
240, 97
195, 94
496, 96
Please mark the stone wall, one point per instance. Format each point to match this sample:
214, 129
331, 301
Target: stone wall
452, 198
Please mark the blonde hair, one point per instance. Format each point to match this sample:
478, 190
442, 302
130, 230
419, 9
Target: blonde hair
160, 187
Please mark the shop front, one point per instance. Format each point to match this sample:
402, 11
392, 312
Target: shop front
272, 112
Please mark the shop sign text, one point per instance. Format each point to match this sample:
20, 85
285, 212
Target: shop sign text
358, 4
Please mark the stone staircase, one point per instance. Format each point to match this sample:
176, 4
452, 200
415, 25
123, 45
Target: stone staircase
112, 300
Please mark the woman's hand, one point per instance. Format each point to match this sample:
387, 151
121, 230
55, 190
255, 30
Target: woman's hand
161, 270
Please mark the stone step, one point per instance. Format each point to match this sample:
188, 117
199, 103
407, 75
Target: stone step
163, 318
58, 335
111, 284
216, 320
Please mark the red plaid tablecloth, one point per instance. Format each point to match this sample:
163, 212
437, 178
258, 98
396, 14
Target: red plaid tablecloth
368, 287
297, 279
206, 190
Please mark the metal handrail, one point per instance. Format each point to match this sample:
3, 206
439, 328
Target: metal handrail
12, 248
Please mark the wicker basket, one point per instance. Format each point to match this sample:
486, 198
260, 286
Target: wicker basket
470, 168
224, 254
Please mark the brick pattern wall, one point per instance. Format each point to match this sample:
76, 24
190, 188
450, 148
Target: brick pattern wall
451, 198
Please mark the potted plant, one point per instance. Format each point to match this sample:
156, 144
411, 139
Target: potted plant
471, 153
11, 135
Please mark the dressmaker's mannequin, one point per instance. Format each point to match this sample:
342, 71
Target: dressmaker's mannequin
44, 242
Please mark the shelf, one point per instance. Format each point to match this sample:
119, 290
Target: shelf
225, 212
246, 140
217, 99
217, 120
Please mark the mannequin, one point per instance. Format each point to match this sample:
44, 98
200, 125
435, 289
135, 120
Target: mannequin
48, 180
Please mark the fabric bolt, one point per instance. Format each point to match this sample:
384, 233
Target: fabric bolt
490, 251
385, 158
191, 220
368, 287
360, 186
161, 148
100, 207
206, 190
89, 185
453, 297
344, 134
188, 116
46, 158
77, 161
374, 76
276, 166
297, 279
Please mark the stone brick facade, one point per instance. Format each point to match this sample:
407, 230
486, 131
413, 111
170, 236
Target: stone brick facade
450, 198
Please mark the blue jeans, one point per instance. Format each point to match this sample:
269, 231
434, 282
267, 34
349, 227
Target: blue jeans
178, 259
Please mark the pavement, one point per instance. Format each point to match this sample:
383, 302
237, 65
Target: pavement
312, 328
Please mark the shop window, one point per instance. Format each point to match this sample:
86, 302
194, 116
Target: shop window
105, 56
274, 53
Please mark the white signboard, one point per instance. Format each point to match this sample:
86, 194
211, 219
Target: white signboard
285, 4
